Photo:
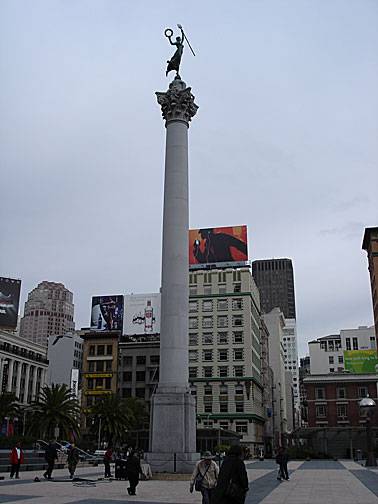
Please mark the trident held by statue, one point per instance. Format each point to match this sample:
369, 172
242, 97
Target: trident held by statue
174, 62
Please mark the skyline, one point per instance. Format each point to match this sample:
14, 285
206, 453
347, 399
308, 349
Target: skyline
284, 141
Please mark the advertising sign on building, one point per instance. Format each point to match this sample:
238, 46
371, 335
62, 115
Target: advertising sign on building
361, 361
75, 382
9, 301
218, 245
142, 314
107, 313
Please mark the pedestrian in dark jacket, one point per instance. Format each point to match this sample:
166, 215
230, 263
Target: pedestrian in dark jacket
232, 484
73, 458
108, 457
16, 459
133, 469
282, 460
51, 454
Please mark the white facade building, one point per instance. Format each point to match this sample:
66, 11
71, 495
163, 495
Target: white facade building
225, 352
23, 367
327, 353
275, 322
65, 354
291, 356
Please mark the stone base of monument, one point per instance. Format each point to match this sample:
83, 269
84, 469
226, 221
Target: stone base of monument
173, 433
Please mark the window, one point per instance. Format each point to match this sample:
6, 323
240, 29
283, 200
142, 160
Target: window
192, 291
193, 355
347, 344
207, 371
321, 411
373, 342
223, 390
100, 349
237, 288
141, 359
238, 370
241, 427
207, 290
341, 392
342, 411
331, 370
208, 408
239, 407
223, 355
222, 304
127, 376
207, 390
222, 321
193, 306
126, 392
91, 366
223, 371
207, 322
108, 383
193, 339
90, 383
207, 338
91, 350
99, 382
222, 338
320, 393
109, 349
239, 390
140, 392
222, 289
223, 425
323, 345
238, 354
128, 360
192, 372
100, 366
331, 347
340, 359
237, 320
355, 344
140, 376
207, 355
223, 406
331, 359
238, 336
193, 322
207, 305
362, 392
237, 304
154, 359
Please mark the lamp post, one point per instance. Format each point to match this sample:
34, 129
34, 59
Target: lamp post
99, 433
367, 405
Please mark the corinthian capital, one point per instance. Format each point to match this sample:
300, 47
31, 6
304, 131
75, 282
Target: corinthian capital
177, 104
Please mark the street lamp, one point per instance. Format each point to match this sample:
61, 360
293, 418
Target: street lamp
367, 405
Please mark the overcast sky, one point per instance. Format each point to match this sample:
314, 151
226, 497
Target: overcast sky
285, 141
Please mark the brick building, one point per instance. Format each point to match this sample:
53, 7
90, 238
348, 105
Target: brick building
370, 244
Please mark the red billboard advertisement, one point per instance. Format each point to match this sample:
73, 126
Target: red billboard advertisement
9, 300
218, 245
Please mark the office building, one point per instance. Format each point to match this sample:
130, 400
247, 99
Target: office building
370, 244
49, 310
23, 367
65, 355
327, 354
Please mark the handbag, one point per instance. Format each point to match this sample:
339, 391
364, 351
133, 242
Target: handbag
235, 492
199, 479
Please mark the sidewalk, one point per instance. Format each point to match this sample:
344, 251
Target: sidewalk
315, 482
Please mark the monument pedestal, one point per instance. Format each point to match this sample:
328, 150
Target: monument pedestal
173, 413
173, 438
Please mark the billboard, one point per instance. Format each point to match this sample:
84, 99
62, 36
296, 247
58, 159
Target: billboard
361, 361
218, 245
107, 313
142, 314
9, 301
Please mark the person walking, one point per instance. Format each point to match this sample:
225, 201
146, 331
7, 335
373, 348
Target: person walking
72, 459
133, 470
51, 454
108, 457
282, 459
204, 477
16, 459
232, 484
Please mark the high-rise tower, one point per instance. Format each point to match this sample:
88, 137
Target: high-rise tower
48, 310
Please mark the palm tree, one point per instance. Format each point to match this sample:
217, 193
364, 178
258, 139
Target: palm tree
56, 407
109, 415
9, 407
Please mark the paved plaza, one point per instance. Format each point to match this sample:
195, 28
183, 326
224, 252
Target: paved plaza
314, 482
